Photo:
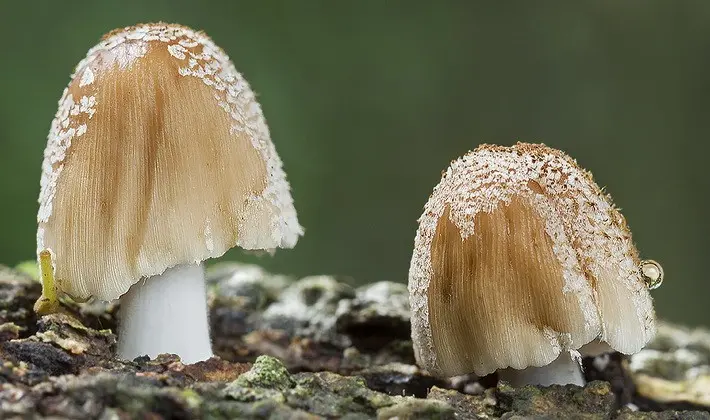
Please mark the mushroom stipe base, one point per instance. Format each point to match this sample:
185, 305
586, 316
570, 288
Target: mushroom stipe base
565, 370
166, 313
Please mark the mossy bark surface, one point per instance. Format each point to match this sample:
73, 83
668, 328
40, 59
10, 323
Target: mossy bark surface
308, 348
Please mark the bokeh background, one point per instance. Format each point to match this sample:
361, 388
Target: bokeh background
368, 101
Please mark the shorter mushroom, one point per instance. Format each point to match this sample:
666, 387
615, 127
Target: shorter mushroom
521, 264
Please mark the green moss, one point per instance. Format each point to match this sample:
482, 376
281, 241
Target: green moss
267, 372
192, 399
332, 395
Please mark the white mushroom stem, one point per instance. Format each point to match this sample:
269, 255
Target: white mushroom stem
166, 313
562, 371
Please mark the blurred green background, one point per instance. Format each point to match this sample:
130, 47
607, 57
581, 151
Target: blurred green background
368, 101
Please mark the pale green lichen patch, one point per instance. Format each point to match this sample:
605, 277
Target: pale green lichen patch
10, 329
74, 323
68, 344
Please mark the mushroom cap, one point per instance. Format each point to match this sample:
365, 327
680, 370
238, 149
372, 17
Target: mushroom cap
518, 257
159, 155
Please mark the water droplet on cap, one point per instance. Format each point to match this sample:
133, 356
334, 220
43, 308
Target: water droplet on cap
652, 273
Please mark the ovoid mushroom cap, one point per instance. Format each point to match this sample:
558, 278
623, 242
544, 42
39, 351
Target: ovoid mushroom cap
159, 155
520, 256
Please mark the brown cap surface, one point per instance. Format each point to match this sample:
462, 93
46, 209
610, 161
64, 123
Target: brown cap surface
158, 155
520, 256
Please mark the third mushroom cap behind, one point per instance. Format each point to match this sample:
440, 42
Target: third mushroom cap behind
521, 262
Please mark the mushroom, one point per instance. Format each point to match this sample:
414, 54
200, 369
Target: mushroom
521, 264
158, 158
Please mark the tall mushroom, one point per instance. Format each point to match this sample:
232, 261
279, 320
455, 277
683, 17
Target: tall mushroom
158, 158
520, 263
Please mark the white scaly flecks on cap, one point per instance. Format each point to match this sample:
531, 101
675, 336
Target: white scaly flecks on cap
204, 60
63, 131
575, 211
198, 58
